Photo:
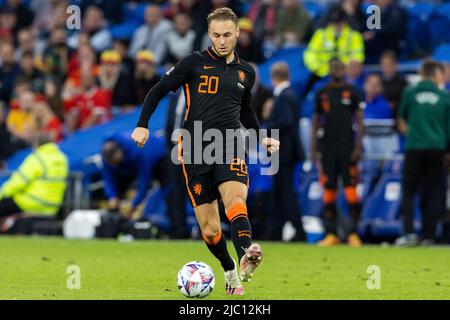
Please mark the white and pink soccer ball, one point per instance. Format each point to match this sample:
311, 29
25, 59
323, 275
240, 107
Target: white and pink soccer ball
196, 279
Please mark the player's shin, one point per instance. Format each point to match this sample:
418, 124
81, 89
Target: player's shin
241, 232
218, 247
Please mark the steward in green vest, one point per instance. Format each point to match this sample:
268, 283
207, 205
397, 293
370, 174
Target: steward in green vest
38, 185
336, 40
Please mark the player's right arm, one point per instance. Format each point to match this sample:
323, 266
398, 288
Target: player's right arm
171, 81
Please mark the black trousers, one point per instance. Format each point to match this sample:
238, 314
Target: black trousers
176, 205
423, 170
286, 203
8, 207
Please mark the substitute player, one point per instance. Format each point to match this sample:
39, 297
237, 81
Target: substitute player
217, 86
337, 107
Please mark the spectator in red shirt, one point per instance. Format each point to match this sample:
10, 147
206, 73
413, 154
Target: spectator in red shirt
47, 121
91, 107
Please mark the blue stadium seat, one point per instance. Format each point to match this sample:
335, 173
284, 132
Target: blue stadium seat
310, 192
123, 30
134, 12
417, 37
442, 53
439, 24
314, 9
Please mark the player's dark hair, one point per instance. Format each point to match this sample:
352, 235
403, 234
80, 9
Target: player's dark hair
222, 14
109, 151
429, 68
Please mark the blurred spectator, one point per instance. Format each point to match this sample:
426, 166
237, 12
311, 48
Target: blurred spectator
285, 116
180, 41
355, 16
52, 94
112, 78
26, 42
337, 112
47, 15
23, 14
247, 46
393, 82
112, 9
8, 24
91, 107
95, 26
30, 73
292, 24
20, 121
377, 107
124, 163
197, 10
355, 74
82, 61
427, 136
263, 15
234, 5
9, 143
152, 34
37, 187
380, 138
391, 34
55, 58
127, 64
145, 76
8, 71
260, 95
335, 40
47, 122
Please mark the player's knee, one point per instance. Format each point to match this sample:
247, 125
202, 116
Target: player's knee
234, 199
211, 234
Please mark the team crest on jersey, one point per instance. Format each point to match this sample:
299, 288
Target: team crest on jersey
197, 189
346, 97
241, 75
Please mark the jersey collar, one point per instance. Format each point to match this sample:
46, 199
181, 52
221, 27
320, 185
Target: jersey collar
216, 57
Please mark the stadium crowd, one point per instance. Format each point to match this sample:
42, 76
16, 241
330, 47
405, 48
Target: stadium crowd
55, 80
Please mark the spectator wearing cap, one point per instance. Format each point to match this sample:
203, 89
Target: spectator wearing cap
111, 78
393, 23
247, 46
180, 41
336, 40
94, 25
292, 24
145, 75
151, 35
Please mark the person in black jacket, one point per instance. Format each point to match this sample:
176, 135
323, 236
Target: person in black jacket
285, 115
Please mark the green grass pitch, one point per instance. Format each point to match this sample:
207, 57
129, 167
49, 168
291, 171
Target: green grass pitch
36, 268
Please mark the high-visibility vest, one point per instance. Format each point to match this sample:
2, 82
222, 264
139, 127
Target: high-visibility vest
38, 185
323, 47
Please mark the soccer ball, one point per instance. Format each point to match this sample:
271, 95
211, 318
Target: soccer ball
196, 279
